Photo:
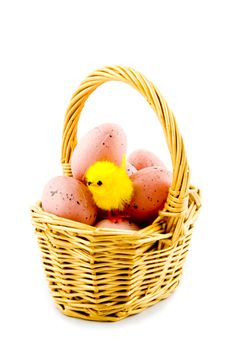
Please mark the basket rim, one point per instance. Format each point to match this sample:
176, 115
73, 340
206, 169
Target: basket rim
76, 226
157, 231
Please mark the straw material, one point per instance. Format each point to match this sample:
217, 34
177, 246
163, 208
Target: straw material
108, 274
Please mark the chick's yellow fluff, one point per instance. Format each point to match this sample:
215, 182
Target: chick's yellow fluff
109, 184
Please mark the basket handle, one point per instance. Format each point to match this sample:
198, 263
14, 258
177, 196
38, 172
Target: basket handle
177, 201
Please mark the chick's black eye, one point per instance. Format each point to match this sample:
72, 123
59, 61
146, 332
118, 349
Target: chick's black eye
89, 183
99, 183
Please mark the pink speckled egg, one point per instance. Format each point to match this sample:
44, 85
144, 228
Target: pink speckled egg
142, 158
123, 225
69, 198
151, 187
105, 142
130, 169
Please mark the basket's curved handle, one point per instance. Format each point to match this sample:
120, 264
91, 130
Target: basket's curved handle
177, 201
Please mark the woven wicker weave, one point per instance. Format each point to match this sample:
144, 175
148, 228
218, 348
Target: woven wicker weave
104, 274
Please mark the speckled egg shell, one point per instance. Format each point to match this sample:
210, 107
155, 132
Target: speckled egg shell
130, 169
123, 225
105, 142
151, 187
141, 159
69, 198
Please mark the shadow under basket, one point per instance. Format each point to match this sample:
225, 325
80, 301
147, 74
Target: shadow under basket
108, 274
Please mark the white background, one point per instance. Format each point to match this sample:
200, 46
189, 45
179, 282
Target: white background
185, 48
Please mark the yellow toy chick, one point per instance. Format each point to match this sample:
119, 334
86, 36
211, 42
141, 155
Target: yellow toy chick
110, 185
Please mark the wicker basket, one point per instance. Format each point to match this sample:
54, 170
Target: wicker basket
104, 274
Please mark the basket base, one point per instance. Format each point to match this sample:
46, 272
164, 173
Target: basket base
94, 316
